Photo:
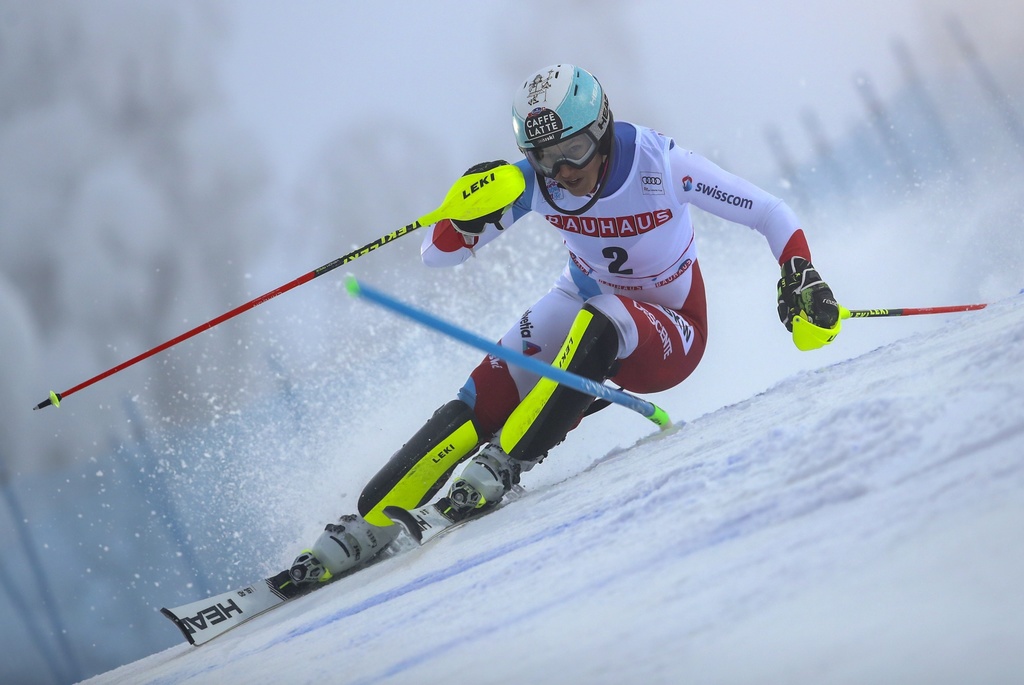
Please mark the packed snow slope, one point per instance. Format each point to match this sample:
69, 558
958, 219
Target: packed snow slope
858, 523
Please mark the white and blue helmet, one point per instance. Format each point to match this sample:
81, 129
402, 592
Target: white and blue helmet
560, 115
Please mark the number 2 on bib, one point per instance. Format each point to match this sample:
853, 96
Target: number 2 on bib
618, 257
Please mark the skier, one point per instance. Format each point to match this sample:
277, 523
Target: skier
629, 305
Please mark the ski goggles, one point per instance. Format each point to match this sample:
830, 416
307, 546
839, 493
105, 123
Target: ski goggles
577, 150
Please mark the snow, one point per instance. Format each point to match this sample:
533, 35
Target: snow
855, 523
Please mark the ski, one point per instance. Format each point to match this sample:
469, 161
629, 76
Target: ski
423, 524
205, 619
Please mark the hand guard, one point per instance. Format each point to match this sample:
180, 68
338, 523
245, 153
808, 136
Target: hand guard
802, 293
475, 227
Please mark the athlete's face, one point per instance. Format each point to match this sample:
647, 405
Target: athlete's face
581, 182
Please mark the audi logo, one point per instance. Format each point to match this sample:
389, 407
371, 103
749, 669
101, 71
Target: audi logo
651, 180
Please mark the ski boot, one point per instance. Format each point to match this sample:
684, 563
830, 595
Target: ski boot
487, 478
341, 547
482, 484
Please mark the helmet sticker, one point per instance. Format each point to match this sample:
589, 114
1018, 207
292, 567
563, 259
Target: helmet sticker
543, 125
539, 86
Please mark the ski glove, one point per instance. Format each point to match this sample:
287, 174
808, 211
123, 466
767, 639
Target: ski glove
803, 293
475, 227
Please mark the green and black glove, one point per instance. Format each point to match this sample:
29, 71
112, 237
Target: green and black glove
803, 294
475, 227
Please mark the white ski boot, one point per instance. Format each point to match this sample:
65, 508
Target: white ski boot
487, 478
482, 484
341, 547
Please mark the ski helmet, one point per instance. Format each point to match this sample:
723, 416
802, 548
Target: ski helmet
560, 115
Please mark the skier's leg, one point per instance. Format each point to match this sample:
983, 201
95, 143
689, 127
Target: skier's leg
539, 422
660, 344
410, 478
417, 471
549, 410
495, 388
641, 346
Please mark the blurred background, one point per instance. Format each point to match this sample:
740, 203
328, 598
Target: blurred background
163, 162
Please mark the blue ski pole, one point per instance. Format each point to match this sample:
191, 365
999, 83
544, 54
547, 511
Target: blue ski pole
649, 410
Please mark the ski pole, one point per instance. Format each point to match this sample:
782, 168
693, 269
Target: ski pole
807, 336
906, 311
649, 410
471, 196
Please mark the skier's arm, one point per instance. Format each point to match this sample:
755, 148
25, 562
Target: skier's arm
801, 290
735, 199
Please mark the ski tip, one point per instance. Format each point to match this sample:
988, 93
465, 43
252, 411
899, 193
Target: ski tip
181, 626
405, 519
352, 286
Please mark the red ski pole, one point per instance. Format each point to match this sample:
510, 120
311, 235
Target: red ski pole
472, 196
907, 311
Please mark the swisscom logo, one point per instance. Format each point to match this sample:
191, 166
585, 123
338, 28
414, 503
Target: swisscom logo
715, 193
